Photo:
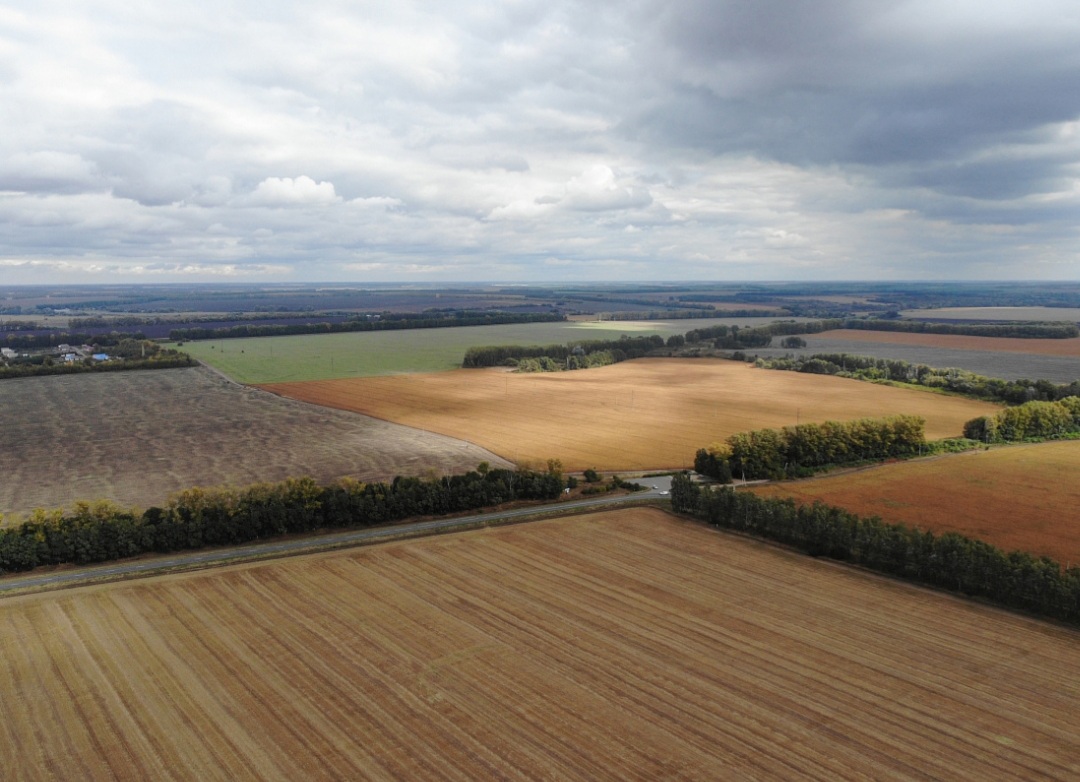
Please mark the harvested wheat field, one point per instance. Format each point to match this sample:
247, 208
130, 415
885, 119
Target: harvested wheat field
637, 415
623, 645
1040, 347
1022, 497
136, 437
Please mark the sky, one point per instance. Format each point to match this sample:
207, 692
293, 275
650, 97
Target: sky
457, 141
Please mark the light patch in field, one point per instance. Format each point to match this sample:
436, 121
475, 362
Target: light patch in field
651, 326
637, 415
1022, 497
625, 645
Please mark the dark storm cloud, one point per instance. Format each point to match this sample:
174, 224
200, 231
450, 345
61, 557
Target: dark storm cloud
859, 83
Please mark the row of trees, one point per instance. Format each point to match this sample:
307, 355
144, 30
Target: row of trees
804, 449
388, 323
688, 314
97, 322
950, 561
62, 337
958, 381
598, 358
621, 349
1033, 420
729, 337
215, 517
20, 325
1020, 330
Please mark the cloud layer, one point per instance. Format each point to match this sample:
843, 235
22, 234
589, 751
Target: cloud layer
744, 139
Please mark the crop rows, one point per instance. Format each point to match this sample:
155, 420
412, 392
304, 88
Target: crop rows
626, 645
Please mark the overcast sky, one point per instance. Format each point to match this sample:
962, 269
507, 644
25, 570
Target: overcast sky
450, 141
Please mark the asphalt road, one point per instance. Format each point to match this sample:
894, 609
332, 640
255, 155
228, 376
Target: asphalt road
307, 545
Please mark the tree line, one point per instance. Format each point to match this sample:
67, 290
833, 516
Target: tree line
20, 325
392, 323
559, 355
197, 517
1021, 330
96, 321
796, 451
960, 381
61, 337
597, 358
727, 337
1029, 421
950, 561
731, 337
691, 314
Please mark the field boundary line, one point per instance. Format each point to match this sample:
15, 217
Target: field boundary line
196, 560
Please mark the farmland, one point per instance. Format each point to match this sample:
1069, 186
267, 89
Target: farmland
1057, 360
324, 356
135, 437
1018, 497
1044, 314
1069, 348
625, 645
644, 414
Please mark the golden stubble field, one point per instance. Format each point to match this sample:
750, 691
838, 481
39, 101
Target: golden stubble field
622, 645
637, 415
1023, 497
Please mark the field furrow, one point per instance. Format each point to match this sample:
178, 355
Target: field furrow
621, 645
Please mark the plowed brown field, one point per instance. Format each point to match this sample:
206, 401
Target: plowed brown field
637, 415
1024, 497
625, 645
136, 437
1041, 347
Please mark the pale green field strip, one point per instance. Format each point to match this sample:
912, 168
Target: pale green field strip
367, 353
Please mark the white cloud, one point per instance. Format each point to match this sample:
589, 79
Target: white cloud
596, 189
475, 139
47, 164
286, 191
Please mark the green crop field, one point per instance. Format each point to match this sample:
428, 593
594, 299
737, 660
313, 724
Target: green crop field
368, 353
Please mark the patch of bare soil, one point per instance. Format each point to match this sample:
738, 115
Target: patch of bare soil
136, 437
